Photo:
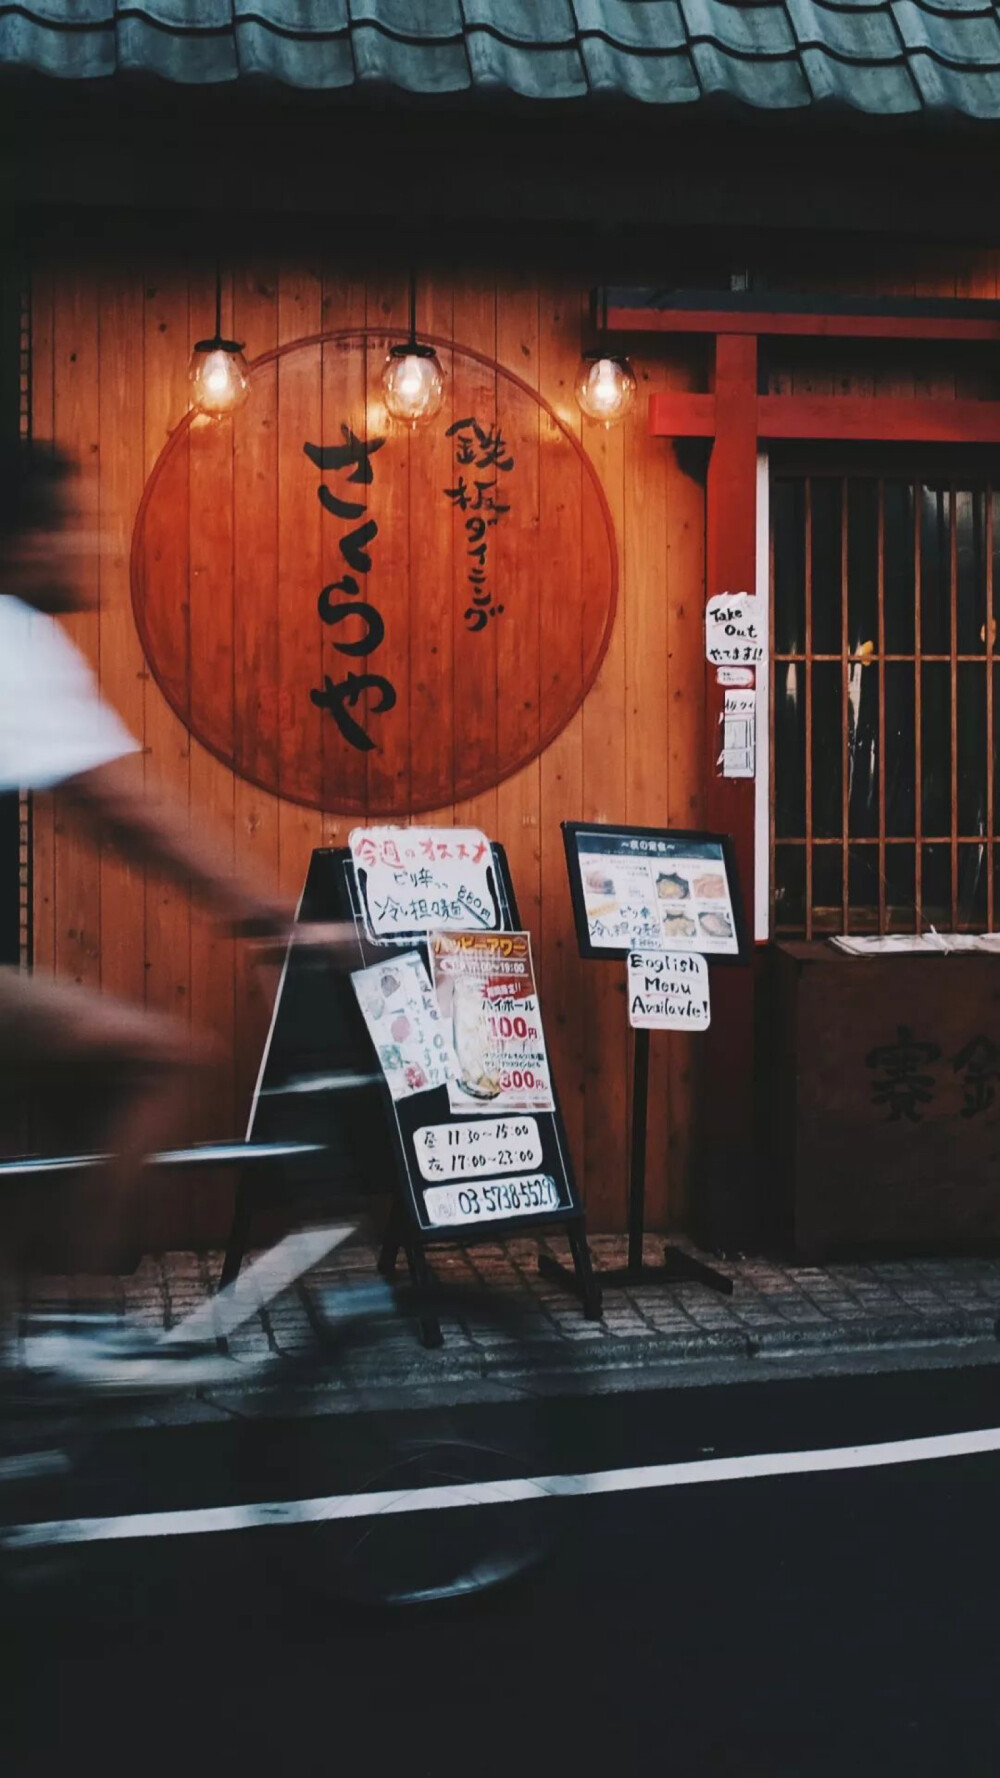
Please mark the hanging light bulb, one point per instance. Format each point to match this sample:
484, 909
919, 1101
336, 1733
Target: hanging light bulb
218, 373
413, 383
412, 378
219, 376
605, 381
605, 387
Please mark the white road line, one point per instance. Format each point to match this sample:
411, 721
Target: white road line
251, 1516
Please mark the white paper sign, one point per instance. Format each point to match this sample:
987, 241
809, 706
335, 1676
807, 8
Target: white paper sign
734, 631
466, 1151
529, 1194
400, 1008
734, 676
668, 992
414, 878
738, 758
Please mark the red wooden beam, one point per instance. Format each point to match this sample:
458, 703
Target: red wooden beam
728, 1202
682, 416
903, 419
763, 324
875, 419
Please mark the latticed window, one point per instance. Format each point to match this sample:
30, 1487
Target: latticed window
885, 745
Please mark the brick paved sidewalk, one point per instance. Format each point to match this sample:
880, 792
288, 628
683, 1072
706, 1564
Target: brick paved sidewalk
776, 1309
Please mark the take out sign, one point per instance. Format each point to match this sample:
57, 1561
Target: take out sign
734, 630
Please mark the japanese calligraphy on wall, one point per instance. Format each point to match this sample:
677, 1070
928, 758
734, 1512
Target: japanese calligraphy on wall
911, 1076
398, 621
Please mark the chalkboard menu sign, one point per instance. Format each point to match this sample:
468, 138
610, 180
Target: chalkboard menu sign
424, 1071
654, 889
484, 1148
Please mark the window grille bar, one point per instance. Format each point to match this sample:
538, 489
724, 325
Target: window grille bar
808, 673
880, 669
845, 709
988, 642
953, 680
893, 839
772, 821
918, 716
944, 659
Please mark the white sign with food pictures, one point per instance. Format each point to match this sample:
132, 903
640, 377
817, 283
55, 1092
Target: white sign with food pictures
656, 894
400, 1009
667, 992
413, 878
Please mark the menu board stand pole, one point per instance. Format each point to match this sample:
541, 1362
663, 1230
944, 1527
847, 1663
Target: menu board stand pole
637, 1156
678, 1267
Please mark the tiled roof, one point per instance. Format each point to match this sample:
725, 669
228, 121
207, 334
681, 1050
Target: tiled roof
889, 58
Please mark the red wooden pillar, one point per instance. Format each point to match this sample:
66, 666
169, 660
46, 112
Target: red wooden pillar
728, 1191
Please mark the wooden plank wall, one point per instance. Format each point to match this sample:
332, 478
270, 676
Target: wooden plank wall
110, 353
110, 349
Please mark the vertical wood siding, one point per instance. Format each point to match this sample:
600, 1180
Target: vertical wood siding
110, 356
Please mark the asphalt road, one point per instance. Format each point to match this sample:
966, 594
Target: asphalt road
787, 1625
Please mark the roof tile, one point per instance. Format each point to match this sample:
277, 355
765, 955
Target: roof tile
863, 34
647, 78
884, 57
969, 42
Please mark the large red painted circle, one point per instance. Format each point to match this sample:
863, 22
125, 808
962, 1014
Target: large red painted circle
486, 590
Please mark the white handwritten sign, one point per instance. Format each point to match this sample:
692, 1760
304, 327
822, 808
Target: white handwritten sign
734, 631
525, 1195
413, 878
467, 1151
668, 992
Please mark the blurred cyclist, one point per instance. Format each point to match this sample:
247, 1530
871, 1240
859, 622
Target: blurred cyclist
55, 731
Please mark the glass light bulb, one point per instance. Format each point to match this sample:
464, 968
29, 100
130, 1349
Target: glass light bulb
219, 378
413, 386
605, 388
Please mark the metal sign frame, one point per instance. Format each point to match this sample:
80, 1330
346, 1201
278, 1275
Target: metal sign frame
572, 832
